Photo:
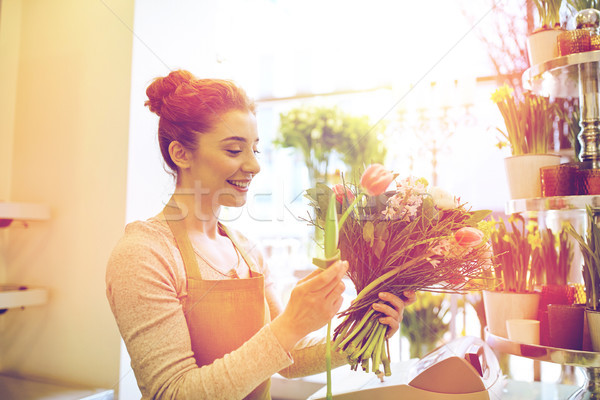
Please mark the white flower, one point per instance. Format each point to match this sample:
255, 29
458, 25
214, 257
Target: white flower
442, 199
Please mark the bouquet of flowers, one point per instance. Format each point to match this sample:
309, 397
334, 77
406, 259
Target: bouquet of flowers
412, 238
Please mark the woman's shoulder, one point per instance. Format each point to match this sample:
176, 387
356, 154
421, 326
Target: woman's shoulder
143, 237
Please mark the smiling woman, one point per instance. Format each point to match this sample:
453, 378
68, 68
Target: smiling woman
193, 299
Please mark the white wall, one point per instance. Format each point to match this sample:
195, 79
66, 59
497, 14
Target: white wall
65, 70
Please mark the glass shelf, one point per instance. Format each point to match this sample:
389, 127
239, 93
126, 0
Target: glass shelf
558, 77
555, 203
588, 361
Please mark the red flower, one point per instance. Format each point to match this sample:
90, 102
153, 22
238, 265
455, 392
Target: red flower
376, 179
468, 237
342, 192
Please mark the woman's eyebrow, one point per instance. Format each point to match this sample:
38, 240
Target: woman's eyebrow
237, 139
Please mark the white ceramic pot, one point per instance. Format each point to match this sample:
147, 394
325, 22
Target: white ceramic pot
593, 321
523, 174
503, 306
542, 45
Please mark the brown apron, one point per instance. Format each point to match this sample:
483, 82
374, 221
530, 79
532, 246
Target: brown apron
221, 314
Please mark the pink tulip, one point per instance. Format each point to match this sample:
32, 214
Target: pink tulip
468, 237
342, 192
376, 179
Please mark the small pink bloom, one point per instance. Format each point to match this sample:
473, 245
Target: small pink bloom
468, 237
341, 192
376, 179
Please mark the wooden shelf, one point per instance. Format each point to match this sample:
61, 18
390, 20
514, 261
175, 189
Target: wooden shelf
22, 212
13, 388
14, 296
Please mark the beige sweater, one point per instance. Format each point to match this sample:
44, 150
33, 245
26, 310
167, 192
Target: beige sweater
145, 285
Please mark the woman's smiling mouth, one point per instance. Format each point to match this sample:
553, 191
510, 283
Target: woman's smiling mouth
240, 185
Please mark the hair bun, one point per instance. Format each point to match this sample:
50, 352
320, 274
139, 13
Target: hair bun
161, 88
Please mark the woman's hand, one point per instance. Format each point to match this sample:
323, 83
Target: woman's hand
313, 302
393, 311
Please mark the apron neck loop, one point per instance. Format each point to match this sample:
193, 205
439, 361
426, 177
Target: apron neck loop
175, 219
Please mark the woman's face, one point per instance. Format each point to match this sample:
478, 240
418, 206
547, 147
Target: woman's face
224, 162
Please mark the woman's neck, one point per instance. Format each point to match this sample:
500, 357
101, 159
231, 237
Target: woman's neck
199, 214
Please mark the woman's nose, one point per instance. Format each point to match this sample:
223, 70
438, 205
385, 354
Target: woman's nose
251, 165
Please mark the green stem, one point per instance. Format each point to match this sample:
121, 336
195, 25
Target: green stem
388, 274
349, 210
377, 351
385, 358
356, 342
356, 354
328, 361
373, 342
357, 329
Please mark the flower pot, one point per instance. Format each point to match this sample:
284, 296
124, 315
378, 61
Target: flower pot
575, 41
589, 181
565, 323
552, 294
523, 330
593, 320
523, 174
559, 180
542, 45
502, 306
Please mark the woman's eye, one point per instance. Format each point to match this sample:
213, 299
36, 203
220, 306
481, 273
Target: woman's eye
234, 152
256, 152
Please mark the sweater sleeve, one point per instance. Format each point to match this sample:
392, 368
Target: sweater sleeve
145, 290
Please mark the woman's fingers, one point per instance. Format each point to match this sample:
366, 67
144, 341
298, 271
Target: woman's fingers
393, 310
326, 279
411, 297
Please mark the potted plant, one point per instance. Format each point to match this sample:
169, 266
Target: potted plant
529, 131
551, 258
590, 249
510, 294
324, 135
425, 322
542, 43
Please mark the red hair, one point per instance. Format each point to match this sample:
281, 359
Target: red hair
188, 106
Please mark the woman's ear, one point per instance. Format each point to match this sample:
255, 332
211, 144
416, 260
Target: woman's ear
180, 155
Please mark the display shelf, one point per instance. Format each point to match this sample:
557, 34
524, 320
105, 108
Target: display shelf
558, 77
15, 296
555, 203
22, 212
588, 361
20, 388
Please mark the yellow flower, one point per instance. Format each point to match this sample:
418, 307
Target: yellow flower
502, 144
534, 240
502, 93
532, 226
487, 227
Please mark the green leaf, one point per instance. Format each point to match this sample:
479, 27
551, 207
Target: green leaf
378, 247
369, 232
477, 216
331, 229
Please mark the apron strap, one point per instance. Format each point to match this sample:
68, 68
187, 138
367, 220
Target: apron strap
239, 248
174, 218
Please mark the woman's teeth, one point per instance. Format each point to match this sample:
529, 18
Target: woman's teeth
242, 185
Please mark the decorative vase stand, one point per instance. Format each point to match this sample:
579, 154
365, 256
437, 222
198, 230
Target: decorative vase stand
587, 361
